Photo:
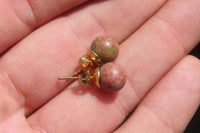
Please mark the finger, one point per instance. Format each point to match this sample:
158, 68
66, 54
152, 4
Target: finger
162, 50
20, 17
34, 65
171, 103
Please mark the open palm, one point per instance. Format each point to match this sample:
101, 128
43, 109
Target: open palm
49, 36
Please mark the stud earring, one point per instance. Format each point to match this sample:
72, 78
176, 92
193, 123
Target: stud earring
94, 67
102, 50
109, 77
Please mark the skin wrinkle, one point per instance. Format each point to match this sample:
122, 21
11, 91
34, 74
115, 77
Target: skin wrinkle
27, 17
98, 20
68, 22
98, 23
17, 93
36, 6
140, 13
38, 130
15, 97
162, 116
116, 4
122, 104
133, 90
41, 126
122, 109
59, 5
75, 33
93, 12
35, 20
173, 32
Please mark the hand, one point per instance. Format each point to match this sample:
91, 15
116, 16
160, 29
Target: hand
155, 36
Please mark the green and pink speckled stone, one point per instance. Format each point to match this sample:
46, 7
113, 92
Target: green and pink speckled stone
112, 77
106, 48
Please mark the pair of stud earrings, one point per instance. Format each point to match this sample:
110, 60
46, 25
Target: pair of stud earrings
98, 66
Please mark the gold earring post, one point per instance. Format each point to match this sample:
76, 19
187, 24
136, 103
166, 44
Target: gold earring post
67, 78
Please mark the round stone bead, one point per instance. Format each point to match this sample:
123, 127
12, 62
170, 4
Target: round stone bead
106, 49
112, 77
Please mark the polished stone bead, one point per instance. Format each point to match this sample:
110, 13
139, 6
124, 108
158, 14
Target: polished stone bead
106, 48
112, 77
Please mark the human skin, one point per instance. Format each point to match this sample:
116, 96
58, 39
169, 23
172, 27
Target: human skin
155, 37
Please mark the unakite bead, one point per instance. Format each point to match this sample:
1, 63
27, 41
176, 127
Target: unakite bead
106, 49
112, 77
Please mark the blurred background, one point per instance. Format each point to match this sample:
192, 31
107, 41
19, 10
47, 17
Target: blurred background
194, 125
